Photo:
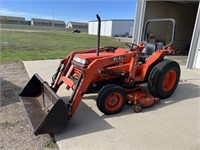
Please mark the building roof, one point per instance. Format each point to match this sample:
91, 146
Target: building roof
13, 18
47, 21
78, 23
113, 20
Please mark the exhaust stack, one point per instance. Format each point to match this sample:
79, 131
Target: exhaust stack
98, 34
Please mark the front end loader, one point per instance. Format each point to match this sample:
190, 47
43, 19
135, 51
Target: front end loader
114, 73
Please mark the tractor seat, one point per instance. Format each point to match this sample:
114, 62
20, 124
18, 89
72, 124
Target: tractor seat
147, 51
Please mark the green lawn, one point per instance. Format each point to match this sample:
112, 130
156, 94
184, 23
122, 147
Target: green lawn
44, 44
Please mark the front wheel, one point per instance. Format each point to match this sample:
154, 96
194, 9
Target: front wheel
111, 99
163, 78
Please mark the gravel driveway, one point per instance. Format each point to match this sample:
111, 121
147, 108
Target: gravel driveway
16, 132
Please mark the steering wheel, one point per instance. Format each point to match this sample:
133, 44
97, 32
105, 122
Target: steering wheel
132, 46
110, 48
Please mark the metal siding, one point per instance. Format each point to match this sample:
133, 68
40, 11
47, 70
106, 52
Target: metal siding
106, 28
109, 28
197, 64
194, 53
92, 28
95, 28
139, 21
103, 28
131, 31
121, 28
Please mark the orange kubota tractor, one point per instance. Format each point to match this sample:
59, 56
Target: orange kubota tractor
114, 73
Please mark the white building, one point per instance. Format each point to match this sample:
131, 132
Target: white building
187, 16
112, 27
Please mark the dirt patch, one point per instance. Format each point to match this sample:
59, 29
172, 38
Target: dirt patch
16, 132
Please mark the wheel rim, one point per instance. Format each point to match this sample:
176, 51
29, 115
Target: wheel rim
169, 80
138, 108
114, 101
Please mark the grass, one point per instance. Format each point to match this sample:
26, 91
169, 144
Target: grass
46, 44
50, 144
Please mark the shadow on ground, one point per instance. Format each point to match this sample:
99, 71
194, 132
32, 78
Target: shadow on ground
9, 93
87, 121
184, 91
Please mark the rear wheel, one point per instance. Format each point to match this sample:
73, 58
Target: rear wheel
111, 99
163, 79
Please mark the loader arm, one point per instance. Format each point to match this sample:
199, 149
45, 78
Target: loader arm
65, 65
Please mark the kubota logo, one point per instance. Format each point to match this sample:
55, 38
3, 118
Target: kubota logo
117, 58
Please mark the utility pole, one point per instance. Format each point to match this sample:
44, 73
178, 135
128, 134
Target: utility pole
53, 20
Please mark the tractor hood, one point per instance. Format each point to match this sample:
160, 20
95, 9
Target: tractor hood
87, 58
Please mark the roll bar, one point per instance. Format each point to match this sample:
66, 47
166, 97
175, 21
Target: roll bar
161, 20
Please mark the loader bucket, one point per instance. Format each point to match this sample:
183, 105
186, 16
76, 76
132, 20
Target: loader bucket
46, 111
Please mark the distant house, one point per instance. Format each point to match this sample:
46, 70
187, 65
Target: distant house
12, 20
47, 23
77, 25
113, 27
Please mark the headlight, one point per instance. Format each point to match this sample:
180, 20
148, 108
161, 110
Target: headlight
81, 61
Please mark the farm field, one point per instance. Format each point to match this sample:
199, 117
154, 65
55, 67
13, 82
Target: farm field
23, 44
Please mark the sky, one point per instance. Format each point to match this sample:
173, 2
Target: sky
69, 10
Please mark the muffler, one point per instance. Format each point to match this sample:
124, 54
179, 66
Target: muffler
46, 111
